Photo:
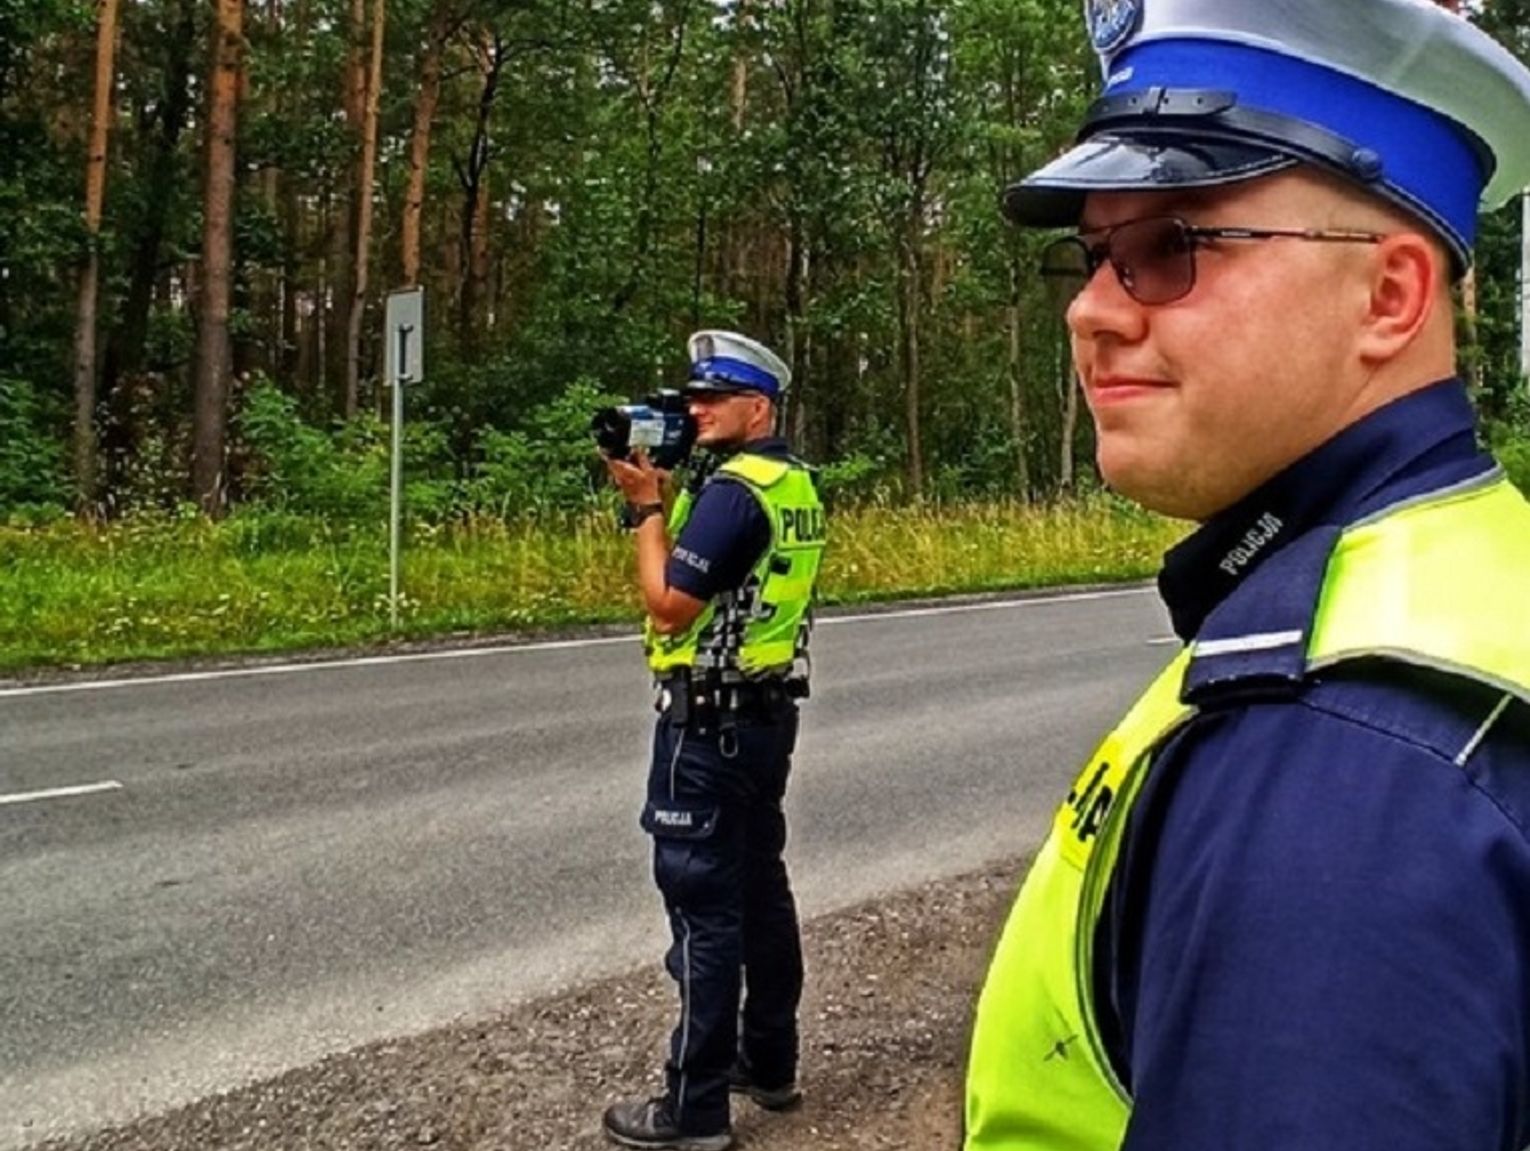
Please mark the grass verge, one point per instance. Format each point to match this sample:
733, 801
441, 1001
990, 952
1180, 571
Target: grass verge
269, 581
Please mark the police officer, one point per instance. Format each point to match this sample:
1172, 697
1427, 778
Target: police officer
1287, 903
728, 612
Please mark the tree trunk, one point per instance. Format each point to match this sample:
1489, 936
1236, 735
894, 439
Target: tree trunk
474, 178
738, 90
419, 145
1065, 472
1018, 429
289, 358
364, 213
212, 351
796, 333
728, 232
479, 269
294, 362
85, 324
1469, 314
908, 347
124, 354
342, 236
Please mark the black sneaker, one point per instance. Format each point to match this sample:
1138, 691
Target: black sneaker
782, 1098
647, 1123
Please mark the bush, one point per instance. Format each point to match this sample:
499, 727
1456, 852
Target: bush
296, 466
33, 481
546, 465
858, 478
1514, 455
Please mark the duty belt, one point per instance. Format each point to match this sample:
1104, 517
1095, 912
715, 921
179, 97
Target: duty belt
686, 695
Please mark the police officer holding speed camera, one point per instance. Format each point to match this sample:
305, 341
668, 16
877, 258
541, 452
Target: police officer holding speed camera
727, 579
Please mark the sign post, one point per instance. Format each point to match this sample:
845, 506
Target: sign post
404, 363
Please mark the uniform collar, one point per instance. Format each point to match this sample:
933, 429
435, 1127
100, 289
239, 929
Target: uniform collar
773, 446
1420, 442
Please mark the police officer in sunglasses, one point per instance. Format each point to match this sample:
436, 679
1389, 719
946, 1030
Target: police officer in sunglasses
1286, 905
727, 577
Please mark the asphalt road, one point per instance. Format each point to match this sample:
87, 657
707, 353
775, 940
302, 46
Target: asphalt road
294, 861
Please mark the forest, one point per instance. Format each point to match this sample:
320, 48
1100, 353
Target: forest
207, 204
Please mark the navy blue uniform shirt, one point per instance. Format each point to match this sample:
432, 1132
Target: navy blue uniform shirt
1318, 933
726, 534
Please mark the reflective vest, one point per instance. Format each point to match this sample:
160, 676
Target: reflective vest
760, 627
1439, 582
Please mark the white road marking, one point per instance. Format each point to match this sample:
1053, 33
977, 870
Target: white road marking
983, 605
60, 792
516, 648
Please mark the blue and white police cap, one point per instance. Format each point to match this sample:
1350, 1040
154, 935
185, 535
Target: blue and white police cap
729, 362
1402, 97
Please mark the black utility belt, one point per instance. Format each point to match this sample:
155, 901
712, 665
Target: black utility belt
684, 694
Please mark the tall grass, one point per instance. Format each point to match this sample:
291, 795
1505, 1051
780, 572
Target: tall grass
264, 581
885, 552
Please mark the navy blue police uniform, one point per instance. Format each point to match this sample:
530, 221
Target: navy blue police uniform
1387, 797
728, 684
715, 792
1315, 929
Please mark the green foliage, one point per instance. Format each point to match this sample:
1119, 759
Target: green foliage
547, 465
1514, 455
293, 464
343, 476
822, 175
1493, 350
857, 479
33, 483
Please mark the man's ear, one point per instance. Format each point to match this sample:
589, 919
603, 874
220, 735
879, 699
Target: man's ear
1407, 271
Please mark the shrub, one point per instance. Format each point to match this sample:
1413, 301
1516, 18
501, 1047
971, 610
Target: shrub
293, 465
546, 465
33, 480
1514, 455
857, 478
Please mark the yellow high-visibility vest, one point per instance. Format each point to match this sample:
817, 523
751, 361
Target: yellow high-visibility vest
1439, 582
758, 628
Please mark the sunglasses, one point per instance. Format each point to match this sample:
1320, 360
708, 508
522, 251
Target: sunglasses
1154, 257
712, 397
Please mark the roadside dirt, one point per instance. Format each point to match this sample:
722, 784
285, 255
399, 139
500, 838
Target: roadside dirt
885, 1023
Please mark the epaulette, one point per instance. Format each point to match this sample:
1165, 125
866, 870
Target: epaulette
1255, 643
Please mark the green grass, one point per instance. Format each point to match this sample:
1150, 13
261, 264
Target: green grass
261, 582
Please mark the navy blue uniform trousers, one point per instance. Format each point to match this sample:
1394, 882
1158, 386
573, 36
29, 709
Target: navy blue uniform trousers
714, 811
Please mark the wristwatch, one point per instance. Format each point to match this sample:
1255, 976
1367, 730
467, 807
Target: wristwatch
634, 514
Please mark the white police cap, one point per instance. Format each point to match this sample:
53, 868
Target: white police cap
1402, 97
728, 362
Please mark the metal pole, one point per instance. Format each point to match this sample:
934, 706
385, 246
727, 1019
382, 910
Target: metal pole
396, 480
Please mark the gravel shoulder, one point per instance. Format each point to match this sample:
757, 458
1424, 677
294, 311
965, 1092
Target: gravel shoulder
885, 1024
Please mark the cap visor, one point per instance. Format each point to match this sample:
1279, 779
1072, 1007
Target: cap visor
1053, 196
714, 387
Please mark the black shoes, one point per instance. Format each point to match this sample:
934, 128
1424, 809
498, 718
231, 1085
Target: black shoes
648, 1123
782, 1098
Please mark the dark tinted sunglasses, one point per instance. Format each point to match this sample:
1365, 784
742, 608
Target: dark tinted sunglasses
1154, 258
